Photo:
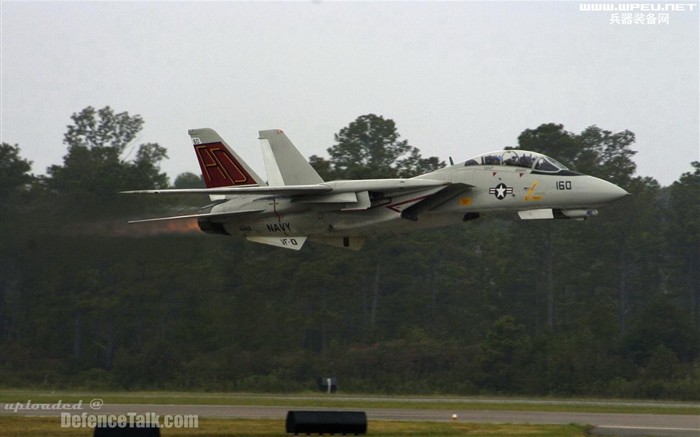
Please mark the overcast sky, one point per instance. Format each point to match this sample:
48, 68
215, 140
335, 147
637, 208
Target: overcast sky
458, 78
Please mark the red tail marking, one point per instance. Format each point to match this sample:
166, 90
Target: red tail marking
220, 168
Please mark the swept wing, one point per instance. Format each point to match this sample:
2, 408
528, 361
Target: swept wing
375, 185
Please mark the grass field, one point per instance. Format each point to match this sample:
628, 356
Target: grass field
12, 424
15, 426
359, 401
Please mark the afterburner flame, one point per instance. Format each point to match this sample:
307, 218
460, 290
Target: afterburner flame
183, 226
121, 228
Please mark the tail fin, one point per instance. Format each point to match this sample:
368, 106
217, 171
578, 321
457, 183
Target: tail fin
221, 166
283, 162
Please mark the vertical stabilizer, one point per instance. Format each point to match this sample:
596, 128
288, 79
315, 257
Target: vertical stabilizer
220, 165
283, 162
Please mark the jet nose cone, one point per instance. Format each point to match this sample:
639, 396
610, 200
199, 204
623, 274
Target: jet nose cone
619, 192
601, 192
612, 192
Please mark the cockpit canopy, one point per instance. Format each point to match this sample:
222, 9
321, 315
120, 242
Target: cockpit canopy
518, 158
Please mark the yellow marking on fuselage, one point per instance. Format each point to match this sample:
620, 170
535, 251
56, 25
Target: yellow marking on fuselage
465, 201
531, 192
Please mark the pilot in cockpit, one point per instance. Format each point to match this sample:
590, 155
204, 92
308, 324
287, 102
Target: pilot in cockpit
492, 160
525, 161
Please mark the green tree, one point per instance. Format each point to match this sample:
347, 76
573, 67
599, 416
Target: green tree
606, 154
322, 166
97, 162
370, 147
188, 180
550, 139
594, 151
504, 354
683, 240
661, 323
14, 170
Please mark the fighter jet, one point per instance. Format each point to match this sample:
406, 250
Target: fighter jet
295, 204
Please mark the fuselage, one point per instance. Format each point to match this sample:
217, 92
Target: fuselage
527, 183
296, 204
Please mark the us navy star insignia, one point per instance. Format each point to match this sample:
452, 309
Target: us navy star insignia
500, 191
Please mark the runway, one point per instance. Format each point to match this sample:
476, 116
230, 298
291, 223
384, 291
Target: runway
605, 424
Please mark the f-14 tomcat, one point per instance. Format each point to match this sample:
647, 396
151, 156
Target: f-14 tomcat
296, 204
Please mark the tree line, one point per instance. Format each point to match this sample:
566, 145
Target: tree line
605, 307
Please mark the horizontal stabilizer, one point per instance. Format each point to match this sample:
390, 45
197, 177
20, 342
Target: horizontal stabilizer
295, 190
294, 243
198, 216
